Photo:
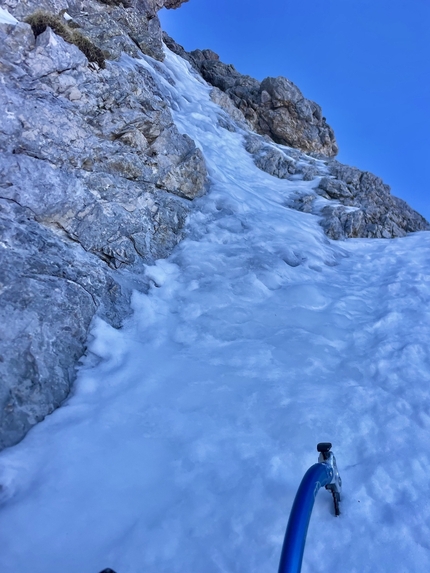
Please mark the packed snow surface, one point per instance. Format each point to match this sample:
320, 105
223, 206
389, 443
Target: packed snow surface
6, 18
190, 428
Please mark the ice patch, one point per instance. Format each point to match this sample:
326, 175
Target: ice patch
6, 18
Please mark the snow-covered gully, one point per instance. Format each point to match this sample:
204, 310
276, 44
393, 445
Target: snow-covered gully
189, 429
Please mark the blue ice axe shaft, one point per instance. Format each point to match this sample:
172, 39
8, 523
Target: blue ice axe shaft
317, 476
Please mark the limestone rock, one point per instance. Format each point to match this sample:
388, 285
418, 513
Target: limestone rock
120, 28
114, 26
274, 107
221, 98
270, 159
358, 204
280, 161
173, 3
106, 135
334, 189
95, 180
289, 118
304, 203
49, 292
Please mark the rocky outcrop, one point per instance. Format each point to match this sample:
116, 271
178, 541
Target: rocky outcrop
115, 26
273, 107
81, 146
95, 180
50, 290
357, 203
221, 98
173, 3
281, 162
365, 206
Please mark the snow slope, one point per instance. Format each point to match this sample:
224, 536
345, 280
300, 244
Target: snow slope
6, 18
191, 428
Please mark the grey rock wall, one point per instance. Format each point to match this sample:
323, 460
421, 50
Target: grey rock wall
173, 3
357, 203
50, 290
365, 206
95, 180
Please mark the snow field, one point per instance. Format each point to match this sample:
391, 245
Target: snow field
190, 429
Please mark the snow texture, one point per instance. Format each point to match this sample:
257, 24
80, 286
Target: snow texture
190, 428
6, 18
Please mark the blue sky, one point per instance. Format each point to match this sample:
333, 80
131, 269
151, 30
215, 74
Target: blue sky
366, 62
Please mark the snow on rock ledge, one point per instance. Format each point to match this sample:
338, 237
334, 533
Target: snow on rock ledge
129, 26
6, 18
351, 203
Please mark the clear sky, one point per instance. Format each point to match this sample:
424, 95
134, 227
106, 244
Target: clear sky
366, 62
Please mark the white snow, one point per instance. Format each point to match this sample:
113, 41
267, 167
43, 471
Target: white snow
6, 18
181, 450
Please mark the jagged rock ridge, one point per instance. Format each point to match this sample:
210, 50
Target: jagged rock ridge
357, 203
273, 107
375, 214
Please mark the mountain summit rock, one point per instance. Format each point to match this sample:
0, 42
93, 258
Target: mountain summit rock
274, 107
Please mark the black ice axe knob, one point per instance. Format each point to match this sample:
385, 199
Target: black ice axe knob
324, 448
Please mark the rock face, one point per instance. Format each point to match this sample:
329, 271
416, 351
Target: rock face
95, 179
115, 26
359, 204
281, 162
173, 3
356, 203
50, 290
367, 209
274, 107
